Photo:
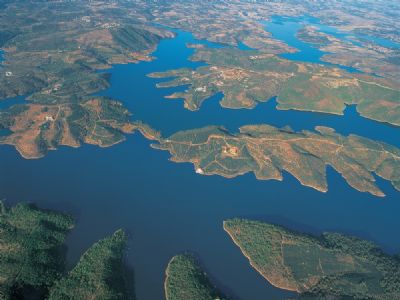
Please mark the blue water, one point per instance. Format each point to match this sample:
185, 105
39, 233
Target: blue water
379, 41
167, 208
169, 115
243, 46
6, 103
286, 28
5, 132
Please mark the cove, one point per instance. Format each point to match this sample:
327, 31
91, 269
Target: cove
130, 84
285, 29
168, 209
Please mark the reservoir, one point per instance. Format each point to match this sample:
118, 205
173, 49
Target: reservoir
167, 208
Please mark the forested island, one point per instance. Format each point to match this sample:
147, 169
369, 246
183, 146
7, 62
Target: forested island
32, 259
32, 262
333, 265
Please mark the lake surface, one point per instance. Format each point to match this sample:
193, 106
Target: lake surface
168, 209
286, 28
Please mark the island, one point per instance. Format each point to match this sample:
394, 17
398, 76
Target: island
186, 280
32, 259
246, 78
267, 151
311, 35
331, 266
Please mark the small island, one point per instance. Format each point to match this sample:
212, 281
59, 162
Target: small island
332, 265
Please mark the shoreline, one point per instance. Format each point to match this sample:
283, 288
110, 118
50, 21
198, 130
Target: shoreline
252, 264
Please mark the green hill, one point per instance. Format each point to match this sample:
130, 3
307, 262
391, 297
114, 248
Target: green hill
99, 273
332, 265
186, 280
30, 247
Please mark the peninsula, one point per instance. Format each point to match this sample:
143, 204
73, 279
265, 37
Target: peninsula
333, 266
57, 60
186, 280
266, 151
99, 274
32, 259
246, 78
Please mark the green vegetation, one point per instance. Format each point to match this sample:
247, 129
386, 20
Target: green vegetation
135, 39
267, 151
332, 265
35, 129
311, 35
54, 50
98, 275
30, 248
54, 57
32, 259
235, 22
186, 280
249, 77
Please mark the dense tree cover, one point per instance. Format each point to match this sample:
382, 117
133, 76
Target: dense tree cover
32, 259
30, 247
330, 266
387, 265
99, 273
186, 280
